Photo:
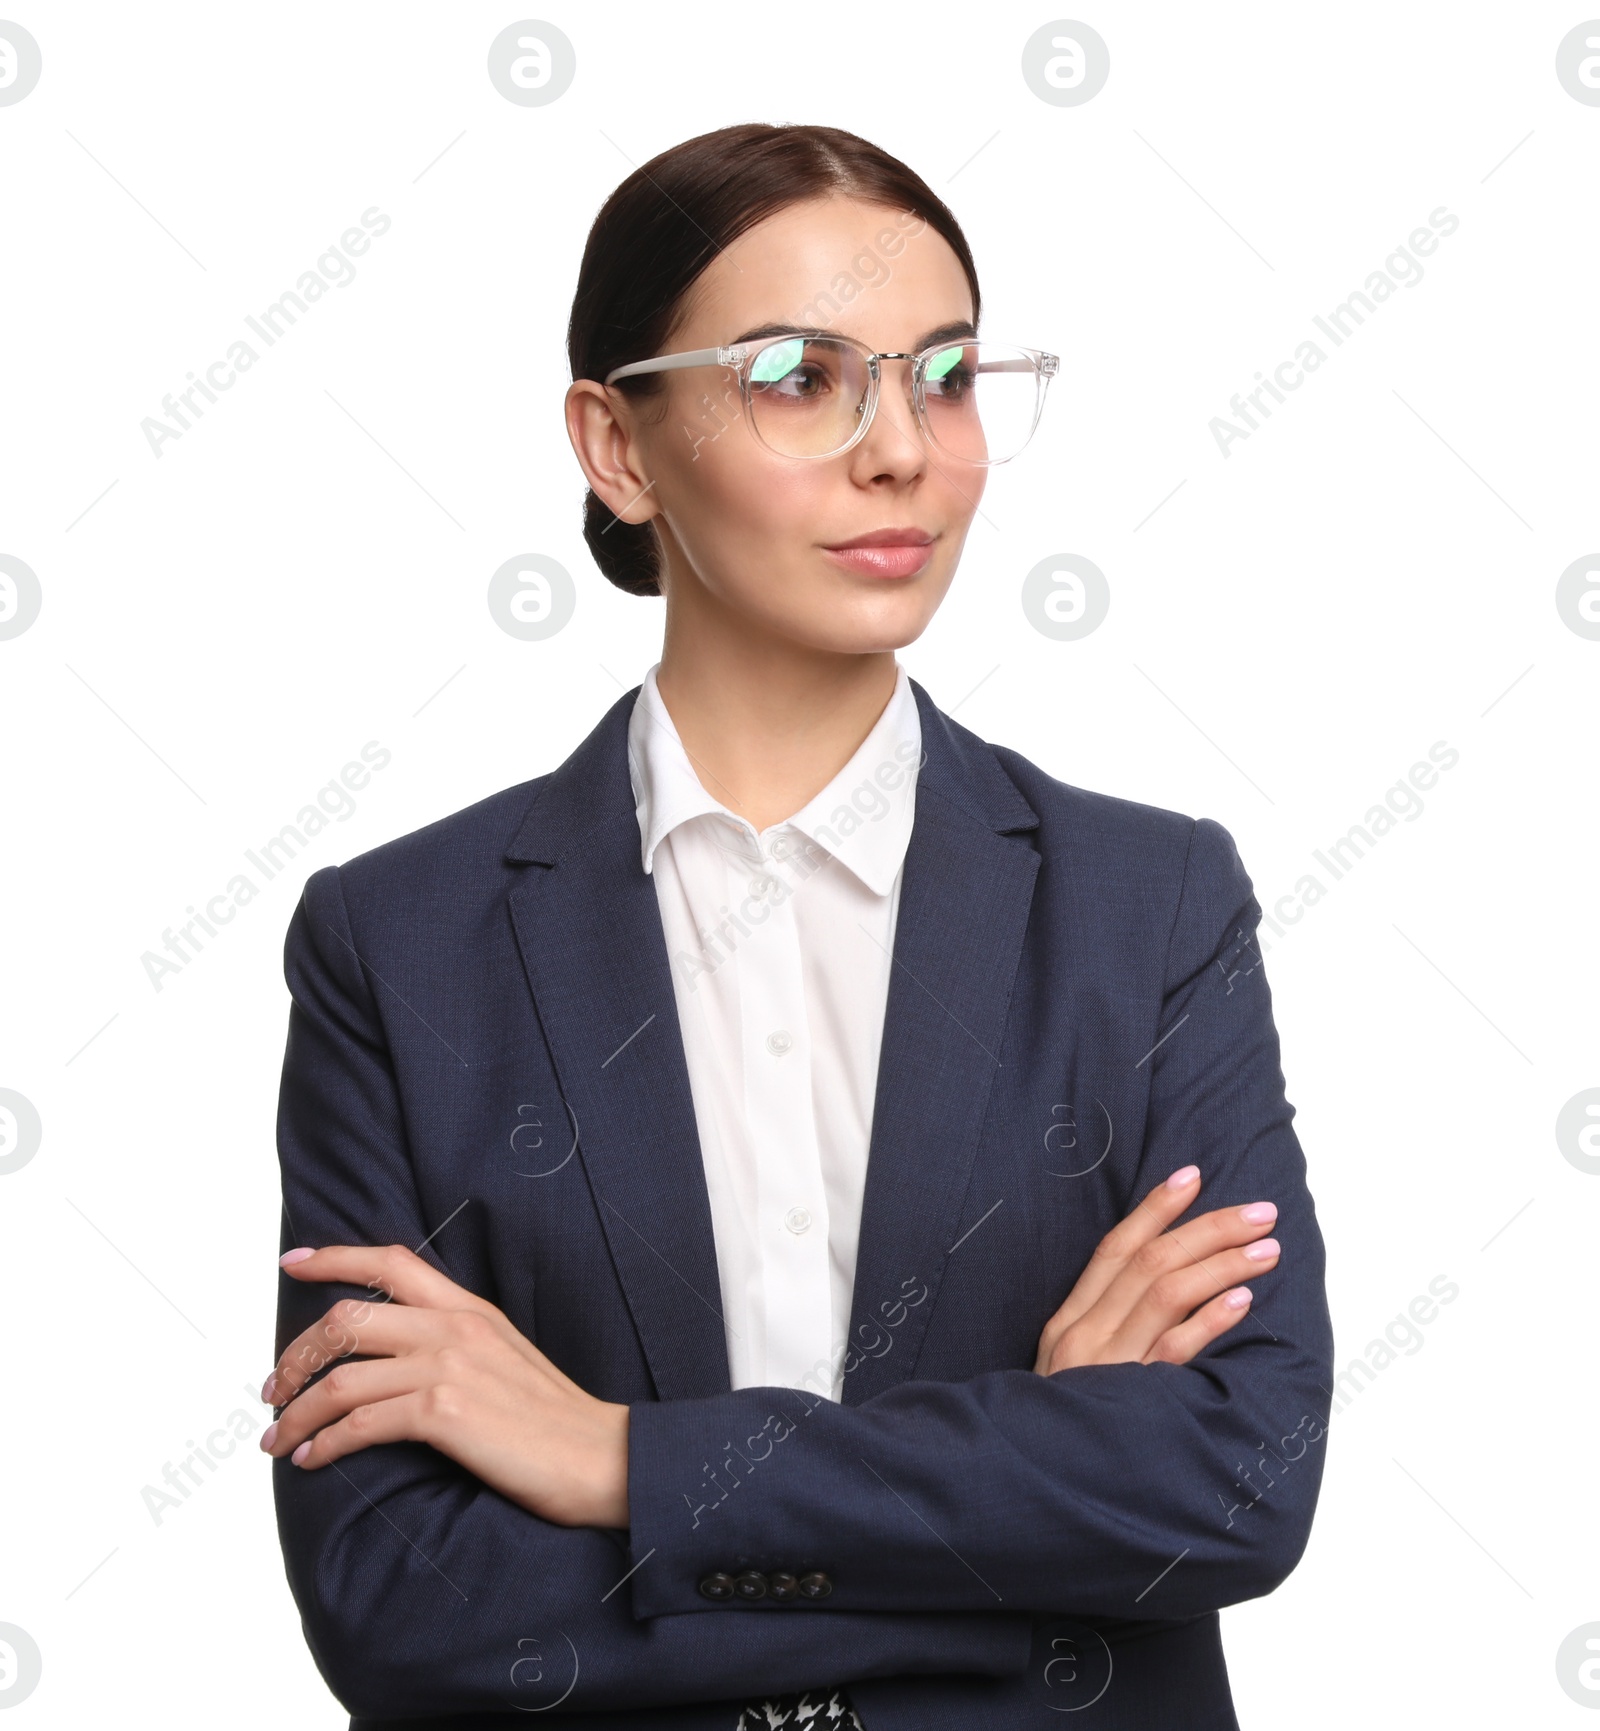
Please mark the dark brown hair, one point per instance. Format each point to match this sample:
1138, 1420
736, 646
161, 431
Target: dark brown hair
666, 222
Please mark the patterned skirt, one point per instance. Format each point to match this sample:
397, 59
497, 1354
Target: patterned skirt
810, 1710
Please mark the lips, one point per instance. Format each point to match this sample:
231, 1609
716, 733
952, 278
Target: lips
884, 553
883, 538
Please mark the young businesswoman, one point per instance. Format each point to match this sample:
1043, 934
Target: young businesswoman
740, 1184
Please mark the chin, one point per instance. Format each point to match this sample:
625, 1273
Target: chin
879, 629
845, 617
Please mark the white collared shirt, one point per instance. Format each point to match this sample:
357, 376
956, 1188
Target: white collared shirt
780, 946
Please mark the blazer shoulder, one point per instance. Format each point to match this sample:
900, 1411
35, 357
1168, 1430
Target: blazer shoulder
1128, 844
1121, 844
454, 853
1106, 822
1144, 870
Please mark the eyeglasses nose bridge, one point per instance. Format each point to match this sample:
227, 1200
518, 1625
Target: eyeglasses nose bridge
875, 391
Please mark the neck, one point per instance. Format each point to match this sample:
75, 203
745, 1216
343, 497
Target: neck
767, 722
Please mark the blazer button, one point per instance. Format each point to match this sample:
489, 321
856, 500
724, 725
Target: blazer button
783, 1586
752, 1584
717, 1586
816, 1585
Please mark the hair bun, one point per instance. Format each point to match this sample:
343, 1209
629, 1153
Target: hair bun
627, 553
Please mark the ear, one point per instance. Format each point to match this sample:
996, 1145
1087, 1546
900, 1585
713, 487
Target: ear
603, 442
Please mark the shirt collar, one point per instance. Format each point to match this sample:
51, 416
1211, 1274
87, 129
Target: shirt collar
863, 817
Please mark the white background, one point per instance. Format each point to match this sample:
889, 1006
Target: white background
305, 570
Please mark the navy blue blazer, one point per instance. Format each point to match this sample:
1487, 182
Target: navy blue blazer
484, 1059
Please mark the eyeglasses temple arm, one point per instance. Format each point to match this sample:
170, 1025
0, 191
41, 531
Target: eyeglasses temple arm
666, 363
1044, 363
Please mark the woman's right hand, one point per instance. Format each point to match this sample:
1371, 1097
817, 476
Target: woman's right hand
1133, 1302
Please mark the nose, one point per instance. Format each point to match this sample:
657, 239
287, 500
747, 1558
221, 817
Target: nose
893, 435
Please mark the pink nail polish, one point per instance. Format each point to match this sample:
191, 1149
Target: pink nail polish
268, 1386
267, 1435
299, 1455
1259, 1211
294, 1256
1262, 1249
1186, 1175
1238, 1298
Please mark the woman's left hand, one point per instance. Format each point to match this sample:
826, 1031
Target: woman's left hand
451, 1371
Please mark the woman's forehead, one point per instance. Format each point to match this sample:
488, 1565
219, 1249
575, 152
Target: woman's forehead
863, 270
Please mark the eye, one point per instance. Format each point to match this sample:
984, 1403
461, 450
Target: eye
805, 380
947, 374
795, 371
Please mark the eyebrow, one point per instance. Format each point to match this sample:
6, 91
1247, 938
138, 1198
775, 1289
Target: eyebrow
939, 334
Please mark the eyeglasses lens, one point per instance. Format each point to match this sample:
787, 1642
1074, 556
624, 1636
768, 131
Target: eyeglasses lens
807, 396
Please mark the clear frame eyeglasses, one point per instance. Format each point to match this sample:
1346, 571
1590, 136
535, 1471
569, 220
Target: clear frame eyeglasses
813, 394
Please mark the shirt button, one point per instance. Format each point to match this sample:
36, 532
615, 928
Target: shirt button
779, 848
779, 1041
797, 1220
759, 886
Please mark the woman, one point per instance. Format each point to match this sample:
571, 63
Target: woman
773, 1135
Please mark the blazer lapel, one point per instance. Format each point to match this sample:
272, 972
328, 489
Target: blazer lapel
964, 899
589, 932
590, 935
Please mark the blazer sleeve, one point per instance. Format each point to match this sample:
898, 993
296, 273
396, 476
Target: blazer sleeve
1122, 1490
420, 1590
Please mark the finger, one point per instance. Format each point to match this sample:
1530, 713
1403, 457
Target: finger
392, 1270
1221, 1229
1182, 1343
403, 1419
340, 1392
1152, 1216
1190, 1245
352, 1325
1171, 1297
397, 1272
1144, 1223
